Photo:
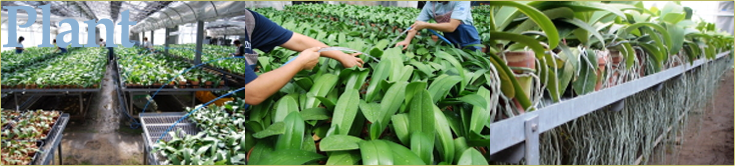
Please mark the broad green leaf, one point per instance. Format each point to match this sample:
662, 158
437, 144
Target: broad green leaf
285, 106
400, 126
445, 144
421, 116
456, 64
293, 137
561, 12
345, 111
544, 22
422, 144
460, 145
480, 109
661, 30
274, 129
392, 102
357, 79
582, 25
381, 73
412, 88
315, 114
260, 152
472, 157
324, 84
677, 38
343, 158
339, 143
532, 43
289, 157
371, 111
329, 103
402, 155
441, 86
376, 152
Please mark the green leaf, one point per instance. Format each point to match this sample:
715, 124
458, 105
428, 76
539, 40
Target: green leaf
357, 78
324, 84
532, 43
400, 126
293, 137
412, 88
289, 157
339, 143
326, 102
480, 110
343, 158
422, 144
586, 27
402, 155
376, 152
421, 116
392, 102
445, 145
274, 129
472, 157
544, 22
371, 111
345, 111
315, 114
441, 86
381, 73
285, 106
260, 152
460, 145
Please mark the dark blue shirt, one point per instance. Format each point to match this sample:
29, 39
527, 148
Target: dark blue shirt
266, 36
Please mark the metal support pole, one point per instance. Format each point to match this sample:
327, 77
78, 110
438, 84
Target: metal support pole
200, 40
532, 141
166, 41
81, 104
152, 37
61, 162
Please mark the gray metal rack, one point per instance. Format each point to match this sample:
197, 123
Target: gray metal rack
518, 136
37, 93
155, 124
53, 143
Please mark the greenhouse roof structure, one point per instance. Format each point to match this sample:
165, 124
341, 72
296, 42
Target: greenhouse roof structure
148, 15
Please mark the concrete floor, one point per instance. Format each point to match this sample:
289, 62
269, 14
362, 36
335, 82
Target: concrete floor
101, 138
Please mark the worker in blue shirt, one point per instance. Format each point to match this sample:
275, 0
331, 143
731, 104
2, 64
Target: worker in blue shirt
267, 35
63, 50
20, 49
454, 18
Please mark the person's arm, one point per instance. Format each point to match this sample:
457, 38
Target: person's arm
299, 42
424, 16
444, 27
267, 84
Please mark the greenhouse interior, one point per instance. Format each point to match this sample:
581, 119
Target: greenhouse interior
367, 82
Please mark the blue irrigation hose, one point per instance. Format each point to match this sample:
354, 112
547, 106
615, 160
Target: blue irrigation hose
440, 36
196, 109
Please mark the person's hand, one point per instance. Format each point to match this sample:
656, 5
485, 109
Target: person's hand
308, 58
419, 25
403, 43
351, 60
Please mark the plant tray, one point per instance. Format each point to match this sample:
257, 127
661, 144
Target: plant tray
155, 124
53, 130
36, 156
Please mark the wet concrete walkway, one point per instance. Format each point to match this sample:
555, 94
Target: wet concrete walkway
101, 139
